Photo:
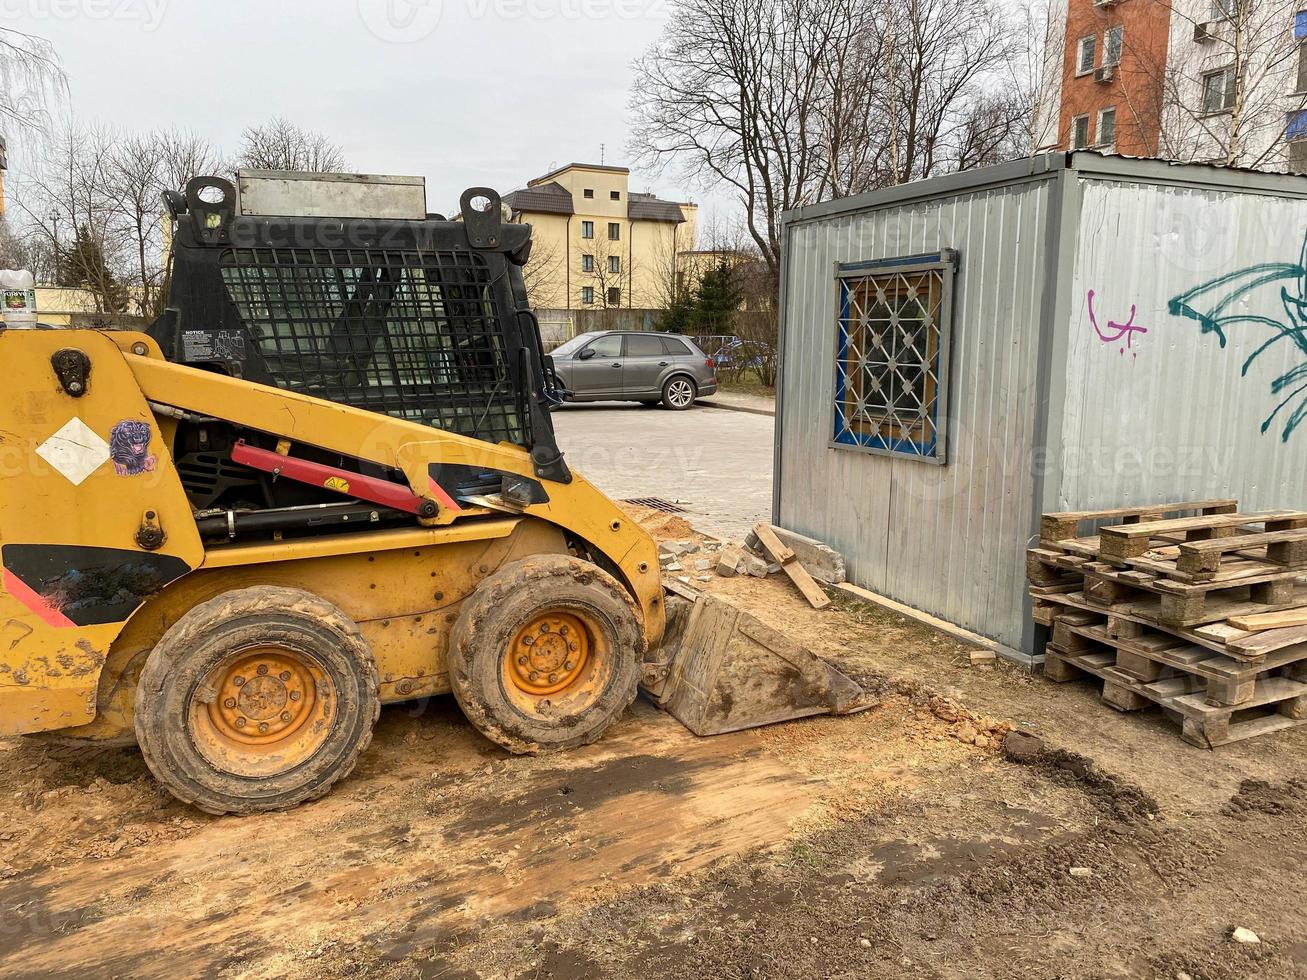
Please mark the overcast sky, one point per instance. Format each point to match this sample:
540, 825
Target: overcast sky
462, 92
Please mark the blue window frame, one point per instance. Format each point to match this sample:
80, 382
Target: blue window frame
1296, 126
892, 355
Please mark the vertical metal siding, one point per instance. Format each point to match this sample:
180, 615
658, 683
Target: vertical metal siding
1174, 417
946, 539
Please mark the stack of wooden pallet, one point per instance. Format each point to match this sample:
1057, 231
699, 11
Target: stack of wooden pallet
1194, 607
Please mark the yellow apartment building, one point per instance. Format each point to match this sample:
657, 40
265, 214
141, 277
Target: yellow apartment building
598, 245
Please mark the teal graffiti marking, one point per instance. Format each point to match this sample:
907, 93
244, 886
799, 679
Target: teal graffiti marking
1219, 307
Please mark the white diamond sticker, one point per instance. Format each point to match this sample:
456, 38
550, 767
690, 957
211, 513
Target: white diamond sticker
75, 451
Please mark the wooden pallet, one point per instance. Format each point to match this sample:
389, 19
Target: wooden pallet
1217, 636
1193, 603
1149, 655
1276, 702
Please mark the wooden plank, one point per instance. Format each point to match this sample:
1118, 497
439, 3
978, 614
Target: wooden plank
1187, 525
1200, 556
1259, 644
782, 555
1133, 540
1270, 621
1268, 691
1058, 520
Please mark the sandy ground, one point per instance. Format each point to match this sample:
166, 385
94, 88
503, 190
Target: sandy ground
879, 844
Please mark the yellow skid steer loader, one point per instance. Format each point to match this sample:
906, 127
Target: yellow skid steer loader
327, 479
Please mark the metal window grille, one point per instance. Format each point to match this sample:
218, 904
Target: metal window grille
413, 334
891, 364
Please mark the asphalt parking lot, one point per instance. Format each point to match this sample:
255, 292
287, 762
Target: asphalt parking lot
715, 463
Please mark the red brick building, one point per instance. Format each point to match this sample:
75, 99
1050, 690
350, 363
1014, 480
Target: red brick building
1114, 60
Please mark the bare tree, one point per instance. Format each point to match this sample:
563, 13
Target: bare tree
69, 205
1229, 99
184, 154
31, 78
731, 93
135, 172
787, 102
542, 274
281, 145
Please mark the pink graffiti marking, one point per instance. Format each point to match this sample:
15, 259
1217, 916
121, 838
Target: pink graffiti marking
1122, 331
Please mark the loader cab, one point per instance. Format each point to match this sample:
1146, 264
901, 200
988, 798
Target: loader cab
406, 314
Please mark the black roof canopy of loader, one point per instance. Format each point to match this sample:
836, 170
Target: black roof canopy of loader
422, 320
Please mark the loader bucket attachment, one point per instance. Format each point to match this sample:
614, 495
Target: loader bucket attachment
730, 672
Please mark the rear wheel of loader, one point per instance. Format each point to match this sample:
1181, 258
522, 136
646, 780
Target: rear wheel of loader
258, 699
546, 654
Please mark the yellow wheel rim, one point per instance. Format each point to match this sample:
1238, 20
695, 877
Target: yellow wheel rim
549, 654
263, 711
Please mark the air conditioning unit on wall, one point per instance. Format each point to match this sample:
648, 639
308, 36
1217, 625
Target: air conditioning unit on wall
1105, 74
1203, 32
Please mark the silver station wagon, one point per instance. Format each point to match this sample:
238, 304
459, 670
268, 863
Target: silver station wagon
613, 365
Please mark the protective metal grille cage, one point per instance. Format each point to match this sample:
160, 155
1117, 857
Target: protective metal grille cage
413, 334
891, 360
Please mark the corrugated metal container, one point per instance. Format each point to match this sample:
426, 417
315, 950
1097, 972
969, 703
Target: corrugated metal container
1115, 332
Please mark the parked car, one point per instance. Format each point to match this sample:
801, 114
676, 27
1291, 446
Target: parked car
614, 365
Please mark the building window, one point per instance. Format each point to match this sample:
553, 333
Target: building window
1079, 132
614, 263
1223, 9
587, 295
589, 192
1112, 41
614, 195
1302, 69
1298, 157
587, 229
1218, 90
1086, 50
587, 263
1107, 128
614, 296
891, 362
614, 231
1295, 129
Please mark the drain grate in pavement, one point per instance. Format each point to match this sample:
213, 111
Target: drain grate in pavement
655, 503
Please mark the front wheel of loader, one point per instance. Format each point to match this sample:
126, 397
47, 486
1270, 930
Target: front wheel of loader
258, 699
546, 654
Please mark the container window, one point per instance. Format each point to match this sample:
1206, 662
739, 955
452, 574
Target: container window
891, 360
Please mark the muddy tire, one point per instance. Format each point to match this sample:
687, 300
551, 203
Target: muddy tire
259, 699
546, 654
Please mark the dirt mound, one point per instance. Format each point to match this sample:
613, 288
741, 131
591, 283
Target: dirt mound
660, 525
1257, 797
